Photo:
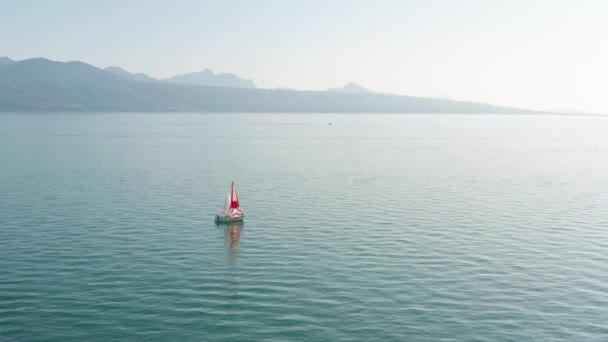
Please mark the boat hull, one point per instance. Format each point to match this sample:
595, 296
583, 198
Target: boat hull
228, 220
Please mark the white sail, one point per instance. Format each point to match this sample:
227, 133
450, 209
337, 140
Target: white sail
227, 206
236, 213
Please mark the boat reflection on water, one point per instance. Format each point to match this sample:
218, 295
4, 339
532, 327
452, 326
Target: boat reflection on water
232, 235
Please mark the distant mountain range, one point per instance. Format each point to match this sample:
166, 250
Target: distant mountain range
124, 73
43, 85
205, 77
209, 78
351, 88
6, 60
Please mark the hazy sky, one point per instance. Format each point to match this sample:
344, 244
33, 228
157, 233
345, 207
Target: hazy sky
535, 54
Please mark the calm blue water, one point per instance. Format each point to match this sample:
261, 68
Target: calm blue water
378, 227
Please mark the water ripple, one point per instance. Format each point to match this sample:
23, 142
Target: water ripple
378, 228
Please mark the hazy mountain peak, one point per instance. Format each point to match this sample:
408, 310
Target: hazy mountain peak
206, 72
117, 70
351, 87
207, 77
6, 60
124, 73
37, 60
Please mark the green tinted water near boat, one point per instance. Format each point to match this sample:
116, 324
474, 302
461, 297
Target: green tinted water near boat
378, 227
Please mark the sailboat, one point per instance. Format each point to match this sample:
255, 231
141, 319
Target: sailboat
232, 209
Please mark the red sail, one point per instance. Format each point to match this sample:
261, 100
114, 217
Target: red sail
234, 198
235, 211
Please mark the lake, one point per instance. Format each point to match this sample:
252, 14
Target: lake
374, 228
